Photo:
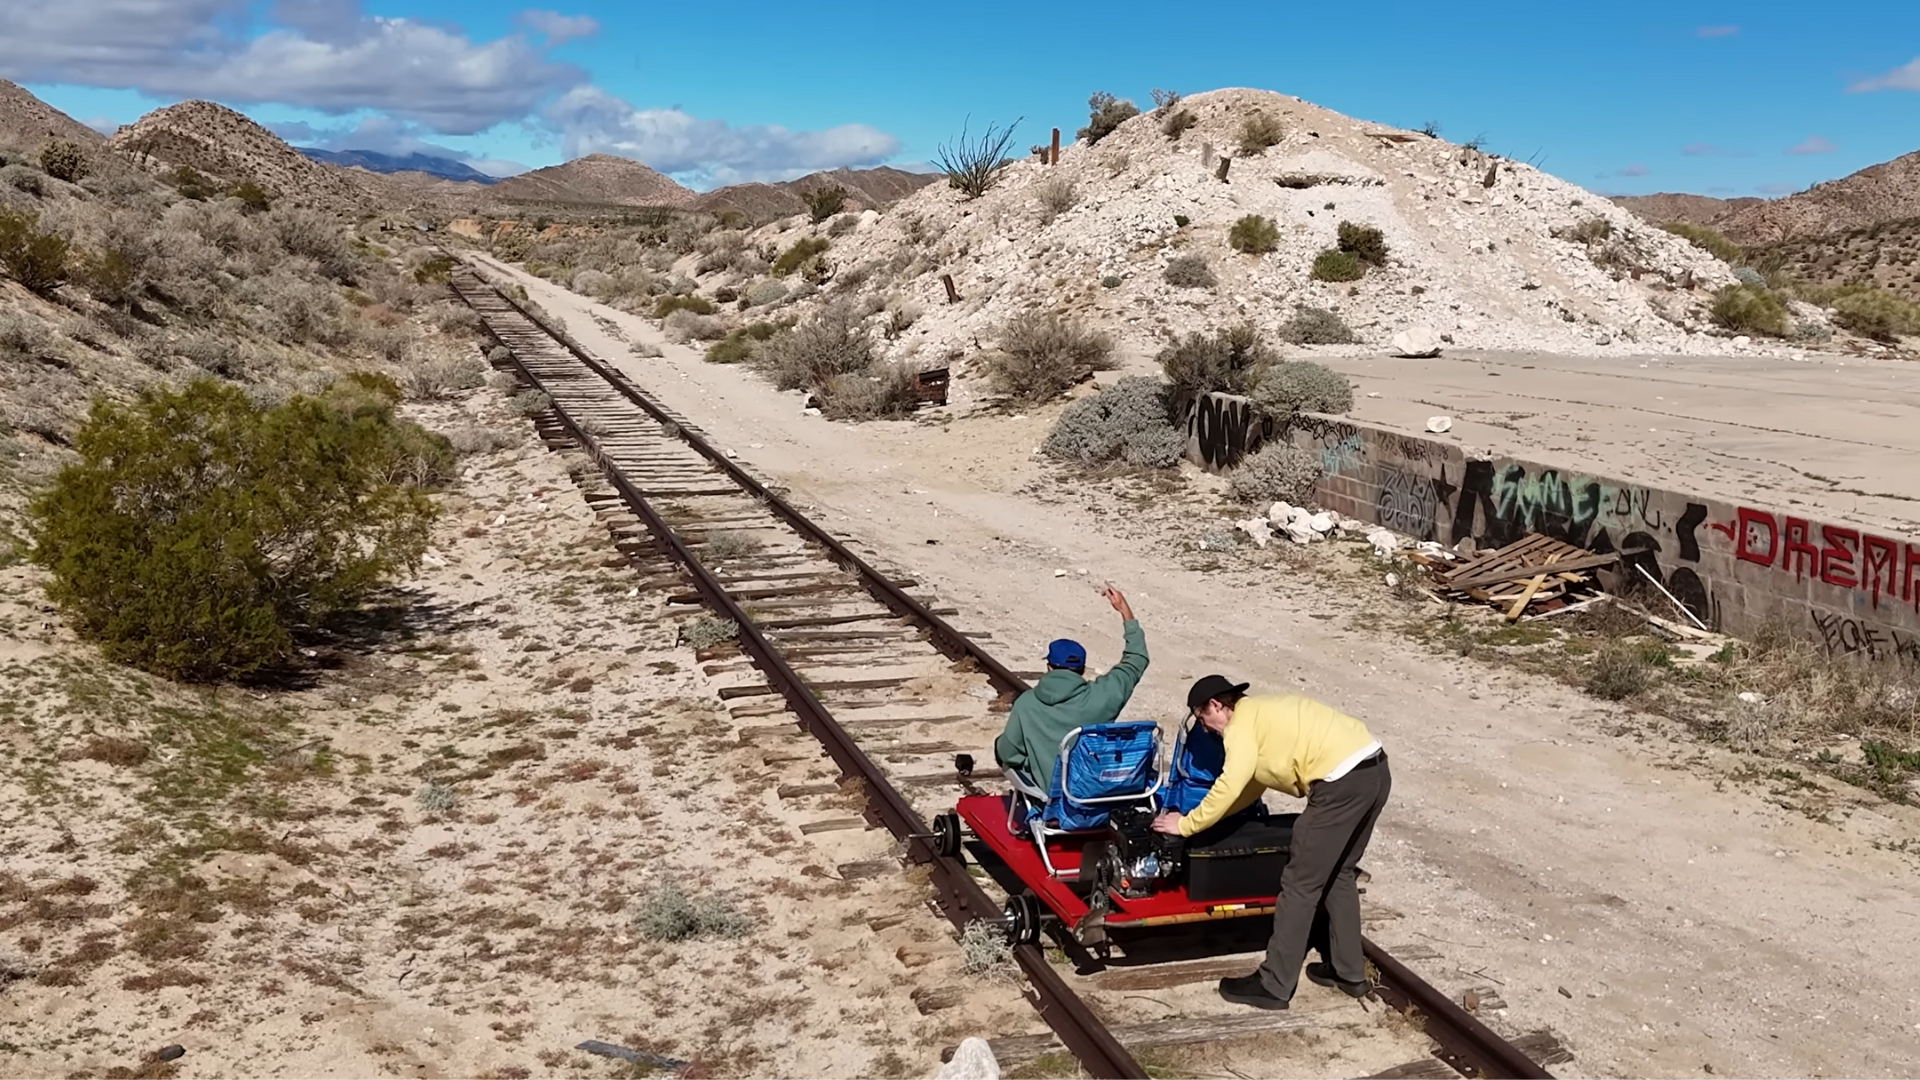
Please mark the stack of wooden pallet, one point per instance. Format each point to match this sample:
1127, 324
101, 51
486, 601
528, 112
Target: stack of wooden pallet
1536, 575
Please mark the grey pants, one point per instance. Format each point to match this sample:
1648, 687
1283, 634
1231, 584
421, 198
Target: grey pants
1317, 891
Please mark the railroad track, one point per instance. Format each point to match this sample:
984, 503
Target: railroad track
817, 626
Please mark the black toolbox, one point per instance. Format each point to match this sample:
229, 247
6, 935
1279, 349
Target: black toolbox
1239, 860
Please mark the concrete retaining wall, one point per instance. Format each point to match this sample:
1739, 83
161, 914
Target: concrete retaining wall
1733, 565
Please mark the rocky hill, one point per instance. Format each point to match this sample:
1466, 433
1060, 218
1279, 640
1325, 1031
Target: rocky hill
27, 123
1668, 207
228, 147
866, 189
1491, 253
1889, 191
595, 179
376, 162
1886, 255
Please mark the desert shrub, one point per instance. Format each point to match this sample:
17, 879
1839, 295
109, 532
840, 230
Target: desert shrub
1591, 231
1181, 221
21, 178
530, 403
197, 530
737, 347
705, 631
1747, 310
883, 392
824, 202
1707, 240
1177, 123
1258, 131
376, 382
834, 342
1363, 242
1126, 422
64, 160
1042, 353
1876, 313
1230, 361
1316, 326
35, 259
762, 293
437, 380
594, 283
667, 305
1057, 195
669, 914
1111, 281
1189, 272
683, 326
972, 168
435, 797
901, 315
253, 198
287, 307
843, 225
1105, 114
188, 181
1747, 275
1620, 670
467, 441
723, 544
1301, 386
1336, 265
315, 236
23, 337
804, 251
1254, 235
1275, 473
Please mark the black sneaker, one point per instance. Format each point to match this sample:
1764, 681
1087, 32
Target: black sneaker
1249, 990
1322, 974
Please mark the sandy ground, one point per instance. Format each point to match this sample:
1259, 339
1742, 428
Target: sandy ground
1621, 886
258, 878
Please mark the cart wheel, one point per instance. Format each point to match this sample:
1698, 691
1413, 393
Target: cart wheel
946, 834
1023, 919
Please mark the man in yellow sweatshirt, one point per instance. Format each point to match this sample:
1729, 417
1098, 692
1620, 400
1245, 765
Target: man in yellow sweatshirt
1296, 745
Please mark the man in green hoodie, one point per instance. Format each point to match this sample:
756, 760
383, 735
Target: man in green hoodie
1065, 699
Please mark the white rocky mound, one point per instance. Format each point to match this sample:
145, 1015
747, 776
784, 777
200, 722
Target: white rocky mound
1479, 265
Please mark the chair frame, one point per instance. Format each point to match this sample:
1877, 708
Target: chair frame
1026, 795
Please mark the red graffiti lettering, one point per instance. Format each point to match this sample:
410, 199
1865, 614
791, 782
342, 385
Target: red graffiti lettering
1750, 524
1882, 561
1799, 551
1910, 577
1836, 559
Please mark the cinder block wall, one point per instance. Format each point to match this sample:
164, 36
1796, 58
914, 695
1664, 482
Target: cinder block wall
1734, 565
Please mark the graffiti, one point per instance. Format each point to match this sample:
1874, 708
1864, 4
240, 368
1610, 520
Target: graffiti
1342, 457
1836, 555
1844, 635
1223, 428
1684, 528
1407, 503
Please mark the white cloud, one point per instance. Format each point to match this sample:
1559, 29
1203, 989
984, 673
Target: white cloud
1813, 144
704, 153
326, 55
102, 124
1904, 77
558, 28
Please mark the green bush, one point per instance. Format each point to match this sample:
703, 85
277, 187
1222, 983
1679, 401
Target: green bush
1707, 240
253, 197
1363, 242
189, 182
1876, 313
1177, 123
1259, 131
667, 305
803, 251
1189, 272
35, 259
834, 342
1748, 310
883, 392
198, 530
1254, 235
1104, 114
1301, 386
1316, 326
1591, 231
1335, 265
65, 160
824, 202
1276, 473
1042, 353
1126, 422
436, 270
737, 347
1231, 361
669, 914
1620, 671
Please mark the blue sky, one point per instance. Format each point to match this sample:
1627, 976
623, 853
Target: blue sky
1629, 97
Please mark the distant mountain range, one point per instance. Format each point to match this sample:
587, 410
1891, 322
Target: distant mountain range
374, 161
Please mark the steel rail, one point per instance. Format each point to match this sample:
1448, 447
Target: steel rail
961, 898
1465, 1044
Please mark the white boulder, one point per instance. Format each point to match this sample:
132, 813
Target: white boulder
1416, 342
972, 1060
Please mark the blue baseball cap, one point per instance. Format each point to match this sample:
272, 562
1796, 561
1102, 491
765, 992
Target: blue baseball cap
1066, 654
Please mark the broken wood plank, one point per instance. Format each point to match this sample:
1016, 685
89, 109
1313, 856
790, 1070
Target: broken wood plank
872, 868
841, 824
729, 693
1497, 576
1016, 1050
1543, 1047
1162, 976
931, 999
798, 791
1526, 595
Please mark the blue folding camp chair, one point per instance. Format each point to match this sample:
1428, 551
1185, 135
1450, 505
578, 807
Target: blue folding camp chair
1100, 766
1198, 757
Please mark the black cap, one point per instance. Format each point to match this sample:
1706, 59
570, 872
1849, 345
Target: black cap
1211, 687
